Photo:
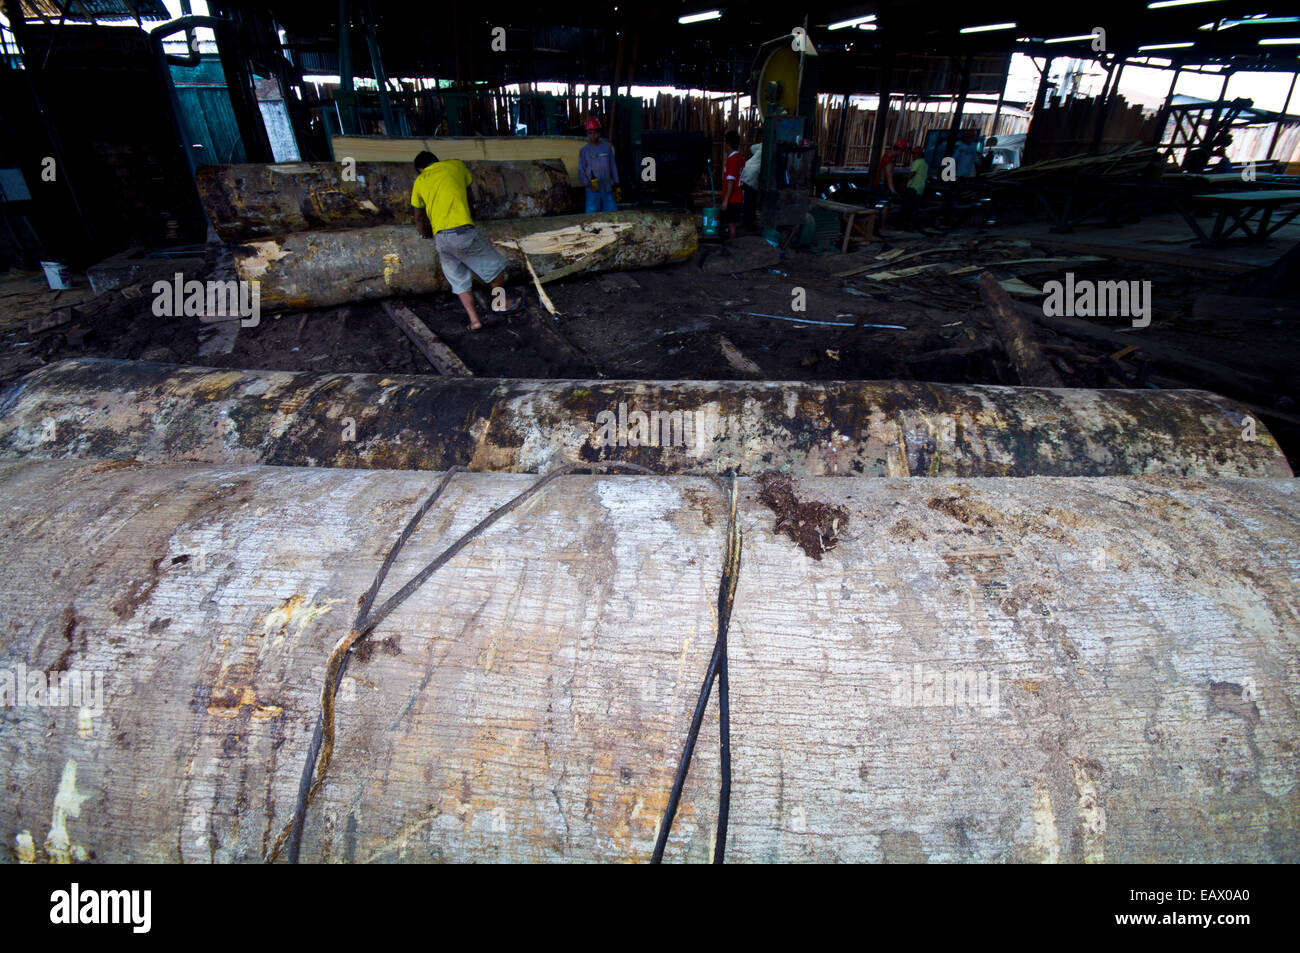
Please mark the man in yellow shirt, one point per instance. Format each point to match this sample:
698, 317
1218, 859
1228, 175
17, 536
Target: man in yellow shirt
440, 198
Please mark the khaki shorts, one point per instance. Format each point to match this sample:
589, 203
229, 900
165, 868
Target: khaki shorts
463, 253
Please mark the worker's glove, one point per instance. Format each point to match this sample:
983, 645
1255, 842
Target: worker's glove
594, 185
618, 193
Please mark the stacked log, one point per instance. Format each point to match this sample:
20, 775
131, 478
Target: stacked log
260, 200
104, 409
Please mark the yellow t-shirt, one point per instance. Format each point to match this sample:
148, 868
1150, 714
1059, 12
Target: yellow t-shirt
441, 190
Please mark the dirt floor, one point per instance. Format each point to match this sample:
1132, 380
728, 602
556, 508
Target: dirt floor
700, 319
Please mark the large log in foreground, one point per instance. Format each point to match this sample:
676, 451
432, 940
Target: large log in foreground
160, 413
326, 268
259, 200
989, 670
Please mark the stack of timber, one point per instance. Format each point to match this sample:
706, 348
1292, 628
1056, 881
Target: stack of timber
156, 413
1068, 128
319, 269
466, 148
261, 200
1130, 161
995, 670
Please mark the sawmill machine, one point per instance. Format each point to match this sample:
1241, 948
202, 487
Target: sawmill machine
784, 85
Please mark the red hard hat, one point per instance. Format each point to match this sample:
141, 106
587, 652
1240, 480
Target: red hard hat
901, 144
593, 123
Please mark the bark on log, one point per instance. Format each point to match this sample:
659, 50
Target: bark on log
1017, 336
261, 200
161, 413
322, 269
991, 670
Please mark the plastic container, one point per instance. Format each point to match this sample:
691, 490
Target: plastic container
57, 274
711, 228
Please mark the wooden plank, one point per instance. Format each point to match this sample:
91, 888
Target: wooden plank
426, 342
916, 254
1017, 336
1258, 197
406, 148
844, 208
54, 319
1183, 259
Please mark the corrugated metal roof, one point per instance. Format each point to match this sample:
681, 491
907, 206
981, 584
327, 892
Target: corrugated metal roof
83, 10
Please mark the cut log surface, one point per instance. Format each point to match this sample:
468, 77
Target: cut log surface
261, 200
325, 268
986, 670
105, 409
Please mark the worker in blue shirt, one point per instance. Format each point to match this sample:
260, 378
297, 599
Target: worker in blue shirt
597, 171
967, 154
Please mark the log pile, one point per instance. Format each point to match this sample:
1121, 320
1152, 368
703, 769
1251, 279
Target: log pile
1068, 128
1127, 162
288, 229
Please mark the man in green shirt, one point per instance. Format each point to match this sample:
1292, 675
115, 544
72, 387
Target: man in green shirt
911, 195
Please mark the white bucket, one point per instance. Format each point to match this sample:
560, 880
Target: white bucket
57, 274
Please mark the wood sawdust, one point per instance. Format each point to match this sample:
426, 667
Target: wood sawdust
815, 527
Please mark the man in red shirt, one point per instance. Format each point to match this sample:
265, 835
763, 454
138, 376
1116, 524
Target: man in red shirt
733, 201
882, 180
